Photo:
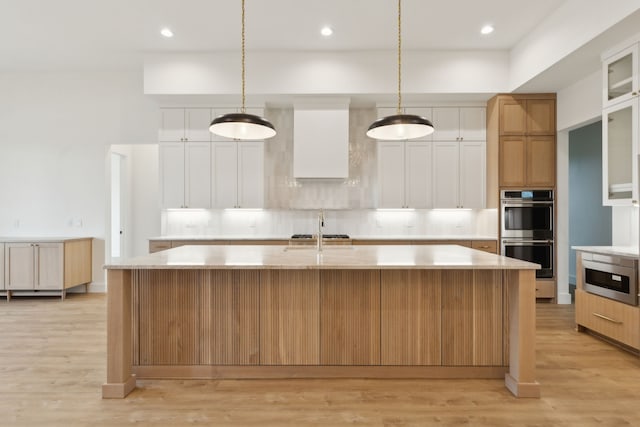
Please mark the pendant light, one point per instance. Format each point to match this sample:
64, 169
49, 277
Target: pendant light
242, 125
400, 126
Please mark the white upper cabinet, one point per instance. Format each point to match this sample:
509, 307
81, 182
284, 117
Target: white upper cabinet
459, 123
619, 153
620, 125
185, 174
185, 124
238, 174
404, 174
459, 174
620, 76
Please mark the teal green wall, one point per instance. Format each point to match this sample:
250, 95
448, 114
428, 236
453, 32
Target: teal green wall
589, 221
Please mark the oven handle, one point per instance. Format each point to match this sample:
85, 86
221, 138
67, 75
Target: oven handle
527, 242
516, 203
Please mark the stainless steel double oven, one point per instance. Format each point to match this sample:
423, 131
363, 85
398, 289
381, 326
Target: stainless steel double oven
527, 227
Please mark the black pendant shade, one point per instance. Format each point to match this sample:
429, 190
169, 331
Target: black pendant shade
400, 126
242, 126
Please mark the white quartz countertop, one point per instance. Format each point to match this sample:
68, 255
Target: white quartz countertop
41, 239
332, 257
356, 237
625, 251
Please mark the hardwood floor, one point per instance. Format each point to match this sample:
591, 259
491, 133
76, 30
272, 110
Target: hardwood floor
52, 366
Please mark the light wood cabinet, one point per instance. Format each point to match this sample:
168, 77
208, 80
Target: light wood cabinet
40, 266
612, 319
185, 174
490, 246
350, 317
237, 175
410, 317
522, 128
404, 174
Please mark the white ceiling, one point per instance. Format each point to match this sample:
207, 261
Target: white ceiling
115, 34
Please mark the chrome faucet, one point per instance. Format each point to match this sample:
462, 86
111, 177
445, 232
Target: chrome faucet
320, 225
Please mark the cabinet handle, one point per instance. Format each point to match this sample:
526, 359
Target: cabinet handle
617, 322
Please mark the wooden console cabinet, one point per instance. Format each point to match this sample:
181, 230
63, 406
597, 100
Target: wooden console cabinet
46, 264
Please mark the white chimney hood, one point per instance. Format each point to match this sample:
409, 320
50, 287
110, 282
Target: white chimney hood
321, 140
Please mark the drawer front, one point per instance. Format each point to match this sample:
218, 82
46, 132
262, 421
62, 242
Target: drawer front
157, 246
545, 289
612, 319
490, 246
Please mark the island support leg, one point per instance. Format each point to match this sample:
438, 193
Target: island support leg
521, 378
120, 379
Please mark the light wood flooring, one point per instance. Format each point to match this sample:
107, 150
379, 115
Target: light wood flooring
52, 366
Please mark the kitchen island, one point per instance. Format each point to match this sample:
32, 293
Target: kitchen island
347, 312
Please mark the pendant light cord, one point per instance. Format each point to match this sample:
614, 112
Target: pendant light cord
399, 56
243, 109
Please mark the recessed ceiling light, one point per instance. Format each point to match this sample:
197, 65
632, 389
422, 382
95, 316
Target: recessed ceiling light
487, 29
326, 31
166, 32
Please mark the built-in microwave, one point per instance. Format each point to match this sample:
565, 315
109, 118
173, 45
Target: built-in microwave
611, 277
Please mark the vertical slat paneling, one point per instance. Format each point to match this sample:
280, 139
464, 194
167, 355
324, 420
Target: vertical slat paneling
169, 317
229, 319
457, 317
505, 316
350, 317
289, 317
410, 301
487, 311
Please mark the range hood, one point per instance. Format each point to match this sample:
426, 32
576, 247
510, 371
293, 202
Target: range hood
321, 140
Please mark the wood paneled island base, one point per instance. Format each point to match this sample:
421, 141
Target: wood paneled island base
358, 312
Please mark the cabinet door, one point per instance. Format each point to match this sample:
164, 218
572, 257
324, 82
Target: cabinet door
619, 149
446, 121
391, 174
172, 174
19, 266
473, 124
512, 161
224, 174
49, 264
541, 117
197, 121
620, 76
472, 175
512, 117
171, 125
250, 174
445, 174
541, 161
417, 180
198, 175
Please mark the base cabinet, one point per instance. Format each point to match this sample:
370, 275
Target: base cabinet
612, 319
41, 266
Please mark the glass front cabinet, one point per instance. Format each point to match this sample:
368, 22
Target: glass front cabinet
619, 153
620, 76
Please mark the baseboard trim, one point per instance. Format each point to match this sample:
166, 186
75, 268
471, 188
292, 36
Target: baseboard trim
564, 298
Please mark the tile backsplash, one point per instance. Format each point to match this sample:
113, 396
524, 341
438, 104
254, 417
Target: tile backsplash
282, 191
355, 222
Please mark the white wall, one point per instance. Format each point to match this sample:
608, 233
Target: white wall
55, 129
571, 26
295, 73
